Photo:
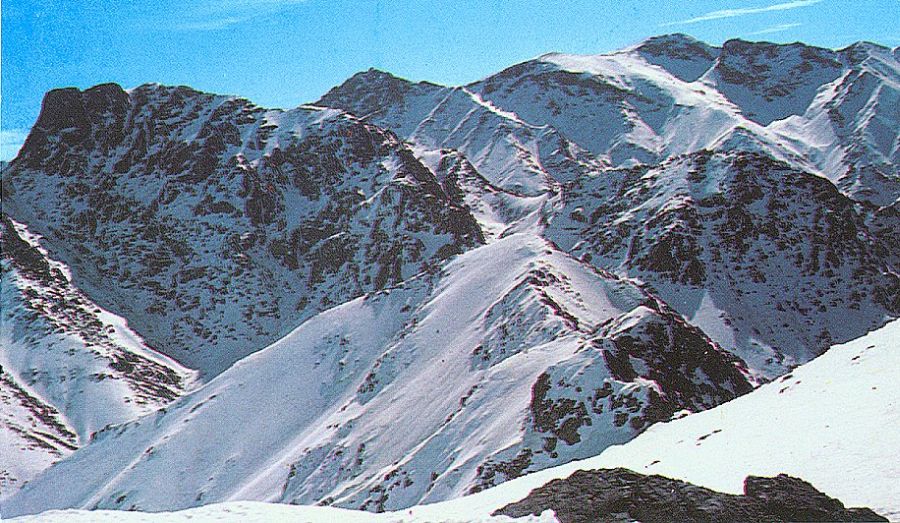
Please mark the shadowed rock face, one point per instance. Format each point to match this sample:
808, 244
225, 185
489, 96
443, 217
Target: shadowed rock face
743, 225
614, 495
216, 226
679, 54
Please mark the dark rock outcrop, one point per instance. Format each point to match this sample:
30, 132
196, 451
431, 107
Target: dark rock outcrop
614, 495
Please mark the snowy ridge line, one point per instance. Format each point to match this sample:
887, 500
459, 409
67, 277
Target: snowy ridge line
499, 112
34, 240
125, 336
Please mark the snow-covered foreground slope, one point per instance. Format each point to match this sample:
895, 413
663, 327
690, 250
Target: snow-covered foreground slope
67, 367
257, 512
831, 422
514, 358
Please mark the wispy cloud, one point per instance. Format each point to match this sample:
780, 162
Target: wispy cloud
774, 29
743, 11
212, 24
11, 141
250, 4
214, 15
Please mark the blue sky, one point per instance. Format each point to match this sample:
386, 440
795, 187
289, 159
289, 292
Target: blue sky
281, 53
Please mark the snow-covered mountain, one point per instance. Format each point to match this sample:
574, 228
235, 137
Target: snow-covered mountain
756, 253
831, 112
408, 292
726, 213
512, 154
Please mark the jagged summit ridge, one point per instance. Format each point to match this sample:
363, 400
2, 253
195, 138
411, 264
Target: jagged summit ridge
671, 95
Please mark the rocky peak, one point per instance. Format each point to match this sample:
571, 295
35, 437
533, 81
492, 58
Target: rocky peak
680, 54
860, 51
61, 109
72, 108
369, 90
202, 196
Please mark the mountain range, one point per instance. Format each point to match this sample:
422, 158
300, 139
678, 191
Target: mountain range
405, 293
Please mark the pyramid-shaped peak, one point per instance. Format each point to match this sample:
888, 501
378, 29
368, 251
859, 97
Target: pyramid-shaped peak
675, 43
673, 38
373, 75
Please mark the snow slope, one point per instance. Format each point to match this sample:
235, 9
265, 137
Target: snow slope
68, 367
256, 512
514, 358
831, 422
